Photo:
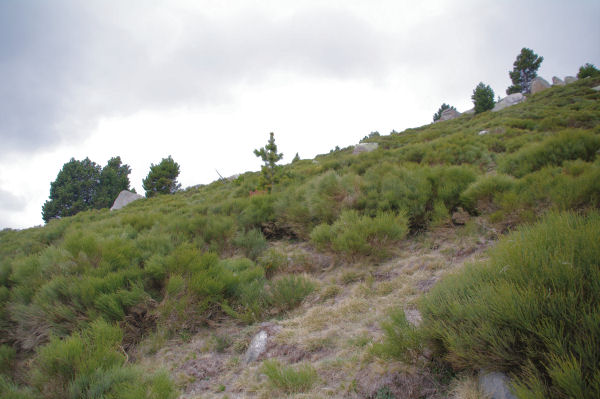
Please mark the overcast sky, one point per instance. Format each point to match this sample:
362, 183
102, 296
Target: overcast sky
206, 81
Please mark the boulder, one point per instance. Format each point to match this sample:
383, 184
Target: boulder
365, 147
509, 101
556, 81
469, 111
597, 88
539, 84
570, 79
482, 132
125, 197
460, 217
448, 114
257, 346
495, 385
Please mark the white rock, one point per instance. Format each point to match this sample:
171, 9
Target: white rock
125, 197
448, 114
257, 346
365, 147
495, 385
481, 133
509, 101
570, 79
597, 88
539, 84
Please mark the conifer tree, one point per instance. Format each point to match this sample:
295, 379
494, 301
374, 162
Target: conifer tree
483, 98
270, 158
162, 178
524, 71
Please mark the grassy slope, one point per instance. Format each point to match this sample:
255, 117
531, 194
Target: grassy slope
146, 268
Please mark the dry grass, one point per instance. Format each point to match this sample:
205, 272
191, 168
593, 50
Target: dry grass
333, 330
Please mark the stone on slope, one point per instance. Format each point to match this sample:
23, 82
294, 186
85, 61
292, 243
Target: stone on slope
509, 101
556, 81
570, 79
539, 84
495, 385
257, 346
448, 114
365, 147
125, 197
597, 88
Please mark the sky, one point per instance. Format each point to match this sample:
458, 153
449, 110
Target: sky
205, 81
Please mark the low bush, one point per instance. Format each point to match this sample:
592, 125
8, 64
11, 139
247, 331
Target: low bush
356, 235
252, 243
287, 292
482, 195
290, 379
567, 145
531, 310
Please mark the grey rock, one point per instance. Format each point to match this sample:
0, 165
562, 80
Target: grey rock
125, 197
469, 111
509, 101
495, 385
556, 81
539, 84
448, 114
413, 316
257, 346
481, 133
570, 79
365, 147
460, 217
597, 88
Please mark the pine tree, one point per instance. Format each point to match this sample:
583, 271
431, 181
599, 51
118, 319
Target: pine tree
162, 178
483, 98
296, 158
524, 71
270, 158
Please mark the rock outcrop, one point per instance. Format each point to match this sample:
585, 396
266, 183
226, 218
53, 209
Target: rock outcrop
365, 147
257, 347
448, 114
125, 197
570, 79
556, 81
509, 101
539, 84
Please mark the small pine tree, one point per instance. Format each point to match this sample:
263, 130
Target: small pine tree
483, 98
162, 178
588, 70
270, 158
524, 71
438, 114
296, 158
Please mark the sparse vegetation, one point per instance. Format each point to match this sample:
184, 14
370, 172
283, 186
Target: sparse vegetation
290, 379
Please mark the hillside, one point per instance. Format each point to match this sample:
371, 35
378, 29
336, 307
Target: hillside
162, 298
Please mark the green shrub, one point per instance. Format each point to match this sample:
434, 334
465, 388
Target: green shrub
252, 243
401, 339
482, 195
531, 310
287, 292
273, 260
7, 357
567, 145
354, 235
290, 379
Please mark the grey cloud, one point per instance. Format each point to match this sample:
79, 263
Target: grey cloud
11, 202
66, 63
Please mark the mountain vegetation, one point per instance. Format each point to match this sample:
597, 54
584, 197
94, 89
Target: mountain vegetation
334, 259
524, 71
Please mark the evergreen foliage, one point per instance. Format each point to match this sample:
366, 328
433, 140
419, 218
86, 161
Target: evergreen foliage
162, 178
438, 114
82, 185
524, 71
483, 98
588, 71
270, 157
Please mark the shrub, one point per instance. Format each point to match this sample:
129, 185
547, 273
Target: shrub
252, 243
290, 379
354, 235
273, 260
568, 145
530, 310
481, 195
287, 292
7, 357
588, 70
